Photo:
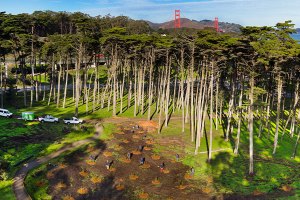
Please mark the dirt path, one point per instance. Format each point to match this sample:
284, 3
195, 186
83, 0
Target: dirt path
18, 185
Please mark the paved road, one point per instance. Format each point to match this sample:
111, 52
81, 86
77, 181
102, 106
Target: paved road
18, 185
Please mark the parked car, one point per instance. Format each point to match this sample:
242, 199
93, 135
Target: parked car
5, 113
73, 120
48, 118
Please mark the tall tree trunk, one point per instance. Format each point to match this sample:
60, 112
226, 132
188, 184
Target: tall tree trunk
66, 83
211, 113
77, 90
230, 110
217, 99
182, 86
1, 86
279, 92
240, 116
192, 114
251, 98
150, 87
58, 85
296, 145
167, 95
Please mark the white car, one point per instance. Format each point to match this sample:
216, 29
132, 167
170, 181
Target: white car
73, 120
48, 118
5, 113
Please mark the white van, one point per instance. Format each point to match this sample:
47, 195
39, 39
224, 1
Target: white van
5, 113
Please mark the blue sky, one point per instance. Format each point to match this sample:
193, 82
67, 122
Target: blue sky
244, 12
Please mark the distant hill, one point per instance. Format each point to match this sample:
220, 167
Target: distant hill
187, 23
298, 30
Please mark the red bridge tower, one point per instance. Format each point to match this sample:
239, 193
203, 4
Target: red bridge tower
217, 24
177, 19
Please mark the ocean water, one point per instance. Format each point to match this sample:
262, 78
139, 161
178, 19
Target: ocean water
296, 37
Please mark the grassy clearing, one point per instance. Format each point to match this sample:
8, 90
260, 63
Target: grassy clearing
228, 172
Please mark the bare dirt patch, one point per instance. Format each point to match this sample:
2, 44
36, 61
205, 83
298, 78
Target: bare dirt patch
122, 170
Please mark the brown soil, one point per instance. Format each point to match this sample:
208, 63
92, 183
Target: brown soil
120, 187
68, 198
155, 182
144, 195
286, 188
83, 173
147, 148
155, 157
82, 190
60, 186
96, 180
123, 180
133, 177
107, 153
149, 126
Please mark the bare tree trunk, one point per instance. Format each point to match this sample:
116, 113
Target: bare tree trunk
95, 87
32, 69
135, 88
66, 84
1, 86
217, 99
293, 112
230, 110
268, 113
192, 114
73, 90
279, 91
150, 86
58, 86
296, 145
240, 116
129, 94
54, 83
162, 96
77, 90
200, 106
114, 94
182, 86
52, 80
143, 90
167, 95
211, 113
122, 88
251, 164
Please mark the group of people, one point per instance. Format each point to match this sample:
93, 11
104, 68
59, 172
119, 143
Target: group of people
142, 160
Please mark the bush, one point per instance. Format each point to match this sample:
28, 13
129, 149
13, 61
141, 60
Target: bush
4, 176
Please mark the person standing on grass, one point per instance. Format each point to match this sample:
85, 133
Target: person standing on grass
142, 160
192, 171
140, 148
177, 157
129, 155
162, 167
107, 164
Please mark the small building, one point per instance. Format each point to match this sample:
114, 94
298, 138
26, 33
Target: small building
28, 116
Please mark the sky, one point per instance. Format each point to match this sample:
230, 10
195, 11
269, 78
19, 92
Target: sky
244, 12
